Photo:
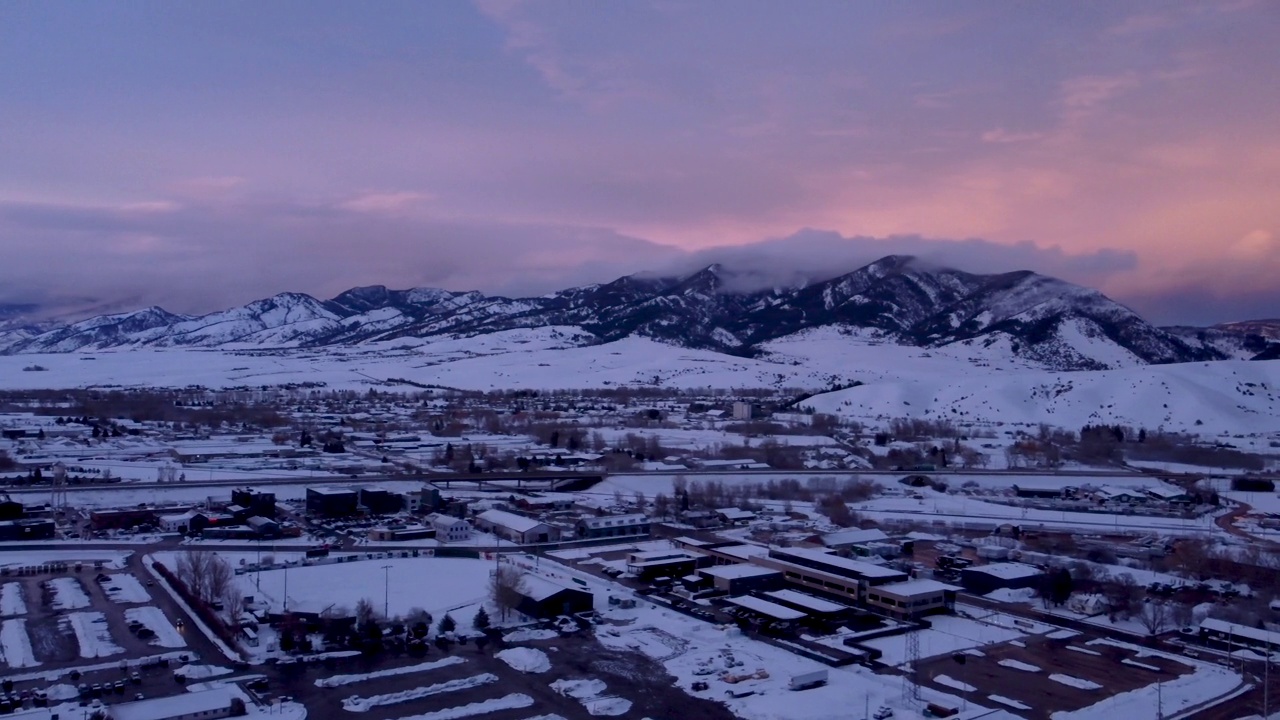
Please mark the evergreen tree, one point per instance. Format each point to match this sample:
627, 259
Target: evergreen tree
447, 624
481, 621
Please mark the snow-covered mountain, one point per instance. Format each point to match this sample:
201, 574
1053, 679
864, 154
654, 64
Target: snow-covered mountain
896, 299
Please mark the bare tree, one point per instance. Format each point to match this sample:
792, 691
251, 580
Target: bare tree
365, 612
641, 501
207, 576
661, 506
506, 587
1155, 616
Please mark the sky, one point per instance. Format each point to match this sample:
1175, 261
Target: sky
202, 155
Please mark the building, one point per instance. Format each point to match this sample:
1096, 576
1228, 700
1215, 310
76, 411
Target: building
255, 501
546, 502
1230, 636
262, 526
10, 509
613, 526
401, 533
743, 411
331, 502
912, 599
179, 522
124, 519
661, 563
828, 572
516, 528
380, 501
734, 516
767, 611
449, 529
541, 597
983, 579
742, 579
210, 704
29, 529
853, 542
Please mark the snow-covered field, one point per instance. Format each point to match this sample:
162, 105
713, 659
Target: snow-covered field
93, 634
17, 555
150, 616
437, 585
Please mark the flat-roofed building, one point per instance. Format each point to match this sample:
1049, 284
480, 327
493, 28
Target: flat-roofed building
516, 528
613, 526
809, 604
767, 610
742, 579
661, 563
983, 579
331, 502
912, 599
830, 573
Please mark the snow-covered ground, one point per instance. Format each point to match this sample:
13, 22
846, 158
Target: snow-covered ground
152, 617
68, 594
11, 602
526, 660
17, 555
15, 645
356, 703
93, 634
124, 588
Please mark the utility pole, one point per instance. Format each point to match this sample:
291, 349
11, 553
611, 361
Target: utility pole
386, 591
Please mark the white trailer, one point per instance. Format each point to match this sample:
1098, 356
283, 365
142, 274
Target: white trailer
804, 681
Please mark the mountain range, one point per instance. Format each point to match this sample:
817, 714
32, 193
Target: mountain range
896, 299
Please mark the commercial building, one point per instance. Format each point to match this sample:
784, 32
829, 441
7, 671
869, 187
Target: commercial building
210, 704
613, 526
983, 579
380, 501
10, 509
449, 529
661, 563
29, 529
402, 533
766, 610
827, 572
327, 501
1230, 636
742, 579
912, 599
258, 502
814, 607
516, 528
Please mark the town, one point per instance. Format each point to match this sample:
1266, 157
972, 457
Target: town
269, 548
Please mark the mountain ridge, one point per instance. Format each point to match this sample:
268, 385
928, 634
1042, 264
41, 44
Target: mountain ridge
896, 298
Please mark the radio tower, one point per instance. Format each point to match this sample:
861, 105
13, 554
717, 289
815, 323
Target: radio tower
911, 678
58, 500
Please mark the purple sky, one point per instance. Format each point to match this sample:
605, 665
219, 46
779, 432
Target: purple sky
200, 155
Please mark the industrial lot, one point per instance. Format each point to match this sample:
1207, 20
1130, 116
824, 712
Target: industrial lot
421, 559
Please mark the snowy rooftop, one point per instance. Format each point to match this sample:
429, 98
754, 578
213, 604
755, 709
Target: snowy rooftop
806, 601
187, 704
764, 607
916, 587
539, 588
615, 520
733, 572
852, 537
519, 523
1006, 571
743, 552
865, 569
330, 490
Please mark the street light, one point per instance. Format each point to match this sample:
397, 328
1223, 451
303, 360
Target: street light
386, 591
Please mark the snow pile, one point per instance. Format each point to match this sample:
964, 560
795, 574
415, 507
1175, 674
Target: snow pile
514, 701
11, 600
338, 680
579, 689
1010, 702
1019, 665
92, 633
1144, 666
607, 706
356, 703
1207, 682
529, 634
125, 588
196, 672
62, 691
1075, 682
527, 660
67, 594
15, 646
1011, 595
948, 681
1086, 651
155, 620
1062, 634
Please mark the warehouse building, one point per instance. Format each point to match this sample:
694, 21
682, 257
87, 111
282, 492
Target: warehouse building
29, 529
516, 528
661, 563
543, 598
613, 526
983, 579
814, 607
257, 502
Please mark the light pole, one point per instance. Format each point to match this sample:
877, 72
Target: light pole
386, 591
